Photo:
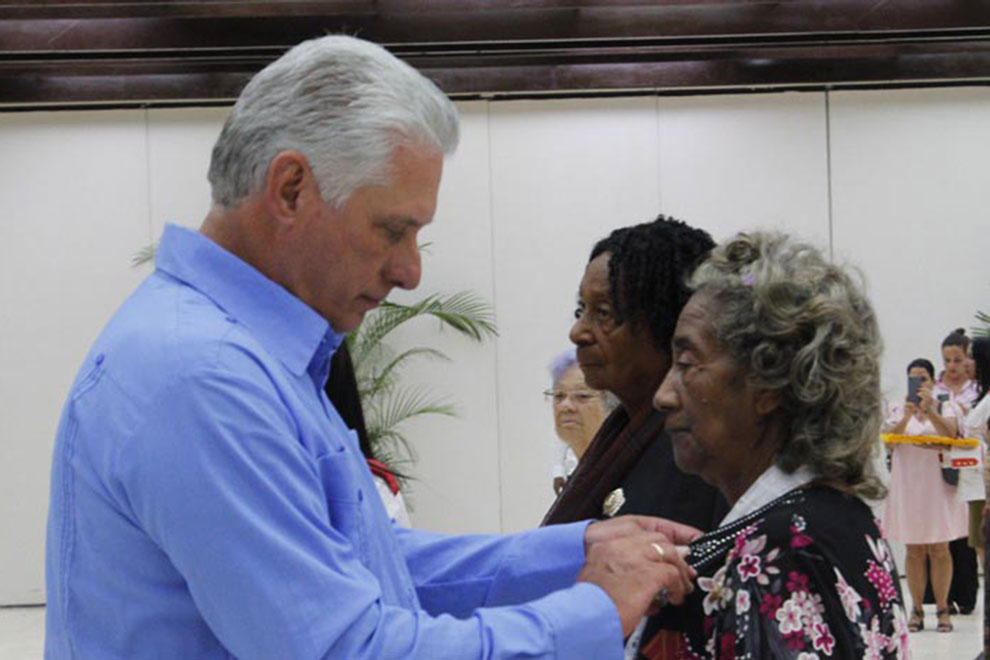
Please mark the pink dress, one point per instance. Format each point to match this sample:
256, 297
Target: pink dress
920, 506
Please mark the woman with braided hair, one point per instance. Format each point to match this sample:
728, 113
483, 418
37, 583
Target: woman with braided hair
628, 301
629, 298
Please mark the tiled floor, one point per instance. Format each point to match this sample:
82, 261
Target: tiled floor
22, 634
963, 643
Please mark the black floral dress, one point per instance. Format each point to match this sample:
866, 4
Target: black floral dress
806, 577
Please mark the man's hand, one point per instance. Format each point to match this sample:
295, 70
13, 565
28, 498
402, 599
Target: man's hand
632, 572
606, 530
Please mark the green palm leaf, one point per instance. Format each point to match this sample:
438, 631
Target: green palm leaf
465, 312
144, 255
404, 403
382, 380
387, 405
386, 415
984, 329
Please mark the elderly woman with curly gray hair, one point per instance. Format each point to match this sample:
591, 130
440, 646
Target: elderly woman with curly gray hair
774, 398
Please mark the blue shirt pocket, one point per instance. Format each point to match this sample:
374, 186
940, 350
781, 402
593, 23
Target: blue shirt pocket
343, 487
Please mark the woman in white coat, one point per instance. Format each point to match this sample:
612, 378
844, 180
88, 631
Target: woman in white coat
972, 486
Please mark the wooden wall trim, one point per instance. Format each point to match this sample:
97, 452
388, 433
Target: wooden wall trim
137, 53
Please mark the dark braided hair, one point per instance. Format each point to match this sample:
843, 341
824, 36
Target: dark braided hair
981, 360
647, 268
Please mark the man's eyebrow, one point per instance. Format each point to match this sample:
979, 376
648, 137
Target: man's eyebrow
406, 220
680, 342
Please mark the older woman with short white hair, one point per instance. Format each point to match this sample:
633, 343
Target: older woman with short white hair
578, 413
774, 398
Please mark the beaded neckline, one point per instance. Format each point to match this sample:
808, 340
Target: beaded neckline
710, 548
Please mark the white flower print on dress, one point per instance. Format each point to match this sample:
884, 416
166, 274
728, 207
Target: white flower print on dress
810, 614
882, 552
822, 639
742, 601
789, 617
875, 640
811, 606
850, 599
718, 595
751, 565
899, 641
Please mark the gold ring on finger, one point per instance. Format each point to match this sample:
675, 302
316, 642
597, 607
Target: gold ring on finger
660, 551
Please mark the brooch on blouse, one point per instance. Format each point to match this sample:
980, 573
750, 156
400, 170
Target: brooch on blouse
613, 502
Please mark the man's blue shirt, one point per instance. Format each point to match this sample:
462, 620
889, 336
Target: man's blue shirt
208, 502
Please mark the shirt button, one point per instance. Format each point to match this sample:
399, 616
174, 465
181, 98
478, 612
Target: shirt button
231, 319
99, 359
360, 496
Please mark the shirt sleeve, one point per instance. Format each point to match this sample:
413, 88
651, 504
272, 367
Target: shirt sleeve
456, 574
976, 421
217, 478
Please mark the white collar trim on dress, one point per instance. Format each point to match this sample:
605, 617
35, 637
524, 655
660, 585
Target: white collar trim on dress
770, 485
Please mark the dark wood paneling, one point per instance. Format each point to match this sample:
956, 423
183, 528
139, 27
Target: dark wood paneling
62, 51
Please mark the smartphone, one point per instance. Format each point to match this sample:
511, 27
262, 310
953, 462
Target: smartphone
914, 382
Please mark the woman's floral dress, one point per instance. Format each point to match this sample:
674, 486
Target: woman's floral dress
808, 577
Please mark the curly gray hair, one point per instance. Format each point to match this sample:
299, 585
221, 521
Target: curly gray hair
800, 325
342, 102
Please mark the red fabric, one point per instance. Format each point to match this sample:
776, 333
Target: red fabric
379, 470
665, 645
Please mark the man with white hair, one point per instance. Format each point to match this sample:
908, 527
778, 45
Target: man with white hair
209, 502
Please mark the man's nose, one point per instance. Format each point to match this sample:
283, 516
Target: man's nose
405, 269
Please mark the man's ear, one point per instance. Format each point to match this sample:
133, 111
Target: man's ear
286, 185
768, 401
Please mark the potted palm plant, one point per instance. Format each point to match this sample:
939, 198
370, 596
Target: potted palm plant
378, 365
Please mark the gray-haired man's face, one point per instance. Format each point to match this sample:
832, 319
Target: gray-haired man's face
352, 257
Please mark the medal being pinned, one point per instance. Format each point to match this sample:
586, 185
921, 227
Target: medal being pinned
613, 502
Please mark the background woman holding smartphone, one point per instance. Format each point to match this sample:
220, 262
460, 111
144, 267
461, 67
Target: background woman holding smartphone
921, 510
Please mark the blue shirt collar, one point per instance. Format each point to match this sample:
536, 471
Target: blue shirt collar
287, 327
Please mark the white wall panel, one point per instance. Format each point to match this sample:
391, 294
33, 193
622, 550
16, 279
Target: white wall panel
179, 144
736, 162
74, 203
457, 478
911, 206
564, 174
